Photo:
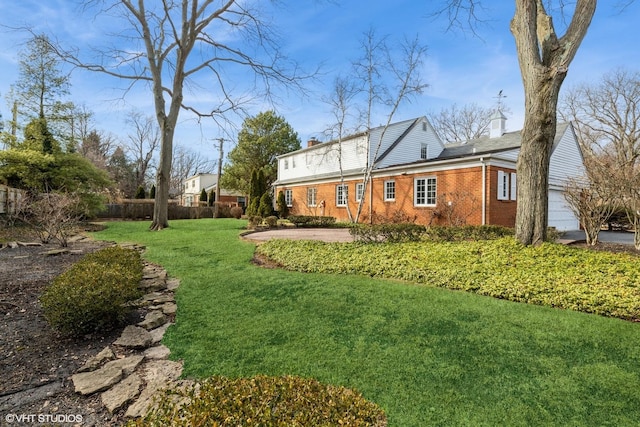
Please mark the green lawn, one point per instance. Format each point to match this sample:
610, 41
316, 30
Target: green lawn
428, 356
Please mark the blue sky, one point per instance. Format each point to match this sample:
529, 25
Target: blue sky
459, 67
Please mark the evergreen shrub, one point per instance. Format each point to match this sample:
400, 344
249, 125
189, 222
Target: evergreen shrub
271, 221
91, 296
312, 221
392, 233
467, 232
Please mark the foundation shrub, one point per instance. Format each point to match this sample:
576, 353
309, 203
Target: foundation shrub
262, 401
271, 221
467, 232
391, 233
312, 221
91, 296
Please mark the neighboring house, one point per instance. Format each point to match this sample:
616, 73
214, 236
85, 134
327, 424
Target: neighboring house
192, 188
418, 178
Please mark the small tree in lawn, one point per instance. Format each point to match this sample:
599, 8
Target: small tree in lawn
212, 197
283, 209
152, 192
265, 208
140, 193
203, 196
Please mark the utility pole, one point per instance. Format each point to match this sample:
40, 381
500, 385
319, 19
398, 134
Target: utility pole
218, 189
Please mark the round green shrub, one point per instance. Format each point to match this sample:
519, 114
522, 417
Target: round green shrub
262, 401
91, 296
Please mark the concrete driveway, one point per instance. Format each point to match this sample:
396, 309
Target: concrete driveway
622, 237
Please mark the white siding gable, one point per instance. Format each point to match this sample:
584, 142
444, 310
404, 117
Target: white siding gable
408, 149
566, 160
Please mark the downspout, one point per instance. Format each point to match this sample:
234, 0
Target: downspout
484, 191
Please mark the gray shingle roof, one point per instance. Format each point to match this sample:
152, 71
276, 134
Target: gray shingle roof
486, 145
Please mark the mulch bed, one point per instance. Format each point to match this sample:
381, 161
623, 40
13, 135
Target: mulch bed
36, 362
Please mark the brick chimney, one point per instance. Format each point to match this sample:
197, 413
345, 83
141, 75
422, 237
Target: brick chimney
312, 141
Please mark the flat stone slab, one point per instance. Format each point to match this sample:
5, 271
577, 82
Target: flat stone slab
153, 319
92, 363
123, 392
158, 333
169, 308
157, 352
127, 364
158, 374
134, 337
150, 285
90, 382
173, 284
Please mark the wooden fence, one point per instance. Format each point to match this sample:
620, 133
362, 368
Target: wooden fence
9, 199
142, 209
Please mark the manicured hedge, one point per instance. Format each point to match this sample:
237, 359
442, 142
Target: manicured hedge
262, 401
392, 233
311, 221
91, 296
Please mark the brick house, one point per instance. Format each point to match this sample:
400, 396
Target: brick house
418, 178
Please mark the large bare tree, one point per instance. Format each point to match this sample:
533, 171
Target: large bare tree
544, 59
460, 124
173, 41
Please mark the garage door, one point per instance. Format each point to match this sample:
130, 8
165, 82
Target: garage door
560, 216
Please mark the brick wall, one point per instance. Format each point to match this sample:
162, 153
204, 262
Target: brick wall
459, 199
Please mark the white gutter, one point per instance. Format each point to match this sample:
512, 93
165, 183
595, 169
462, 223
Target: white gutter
484, 191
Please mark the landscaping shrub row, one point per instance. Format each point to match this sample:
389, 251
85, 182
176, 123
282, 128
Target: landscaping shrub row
466, 232
550, 274
91, 296
392, 233
262, 401
311, 221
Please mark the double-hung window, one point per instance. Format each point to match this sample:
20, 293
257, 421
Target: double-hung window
342, 195
288, 197
389, 190
424, 151
503, 185
359, 191
424, 193
312, 194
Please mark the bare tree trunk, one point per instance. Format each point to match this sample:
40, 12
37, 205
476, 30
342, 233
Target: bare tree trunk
544, 60
538, 134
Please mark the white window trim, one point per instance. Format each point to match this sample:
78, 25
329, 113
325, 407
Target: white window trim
342, 201
288, 198
359, 191
312, 203
386, 188
513, 186
424, 147
426, 186
503, 186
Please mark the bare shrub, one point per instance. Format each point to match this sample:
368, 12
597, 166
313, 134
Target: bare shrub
52, 216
